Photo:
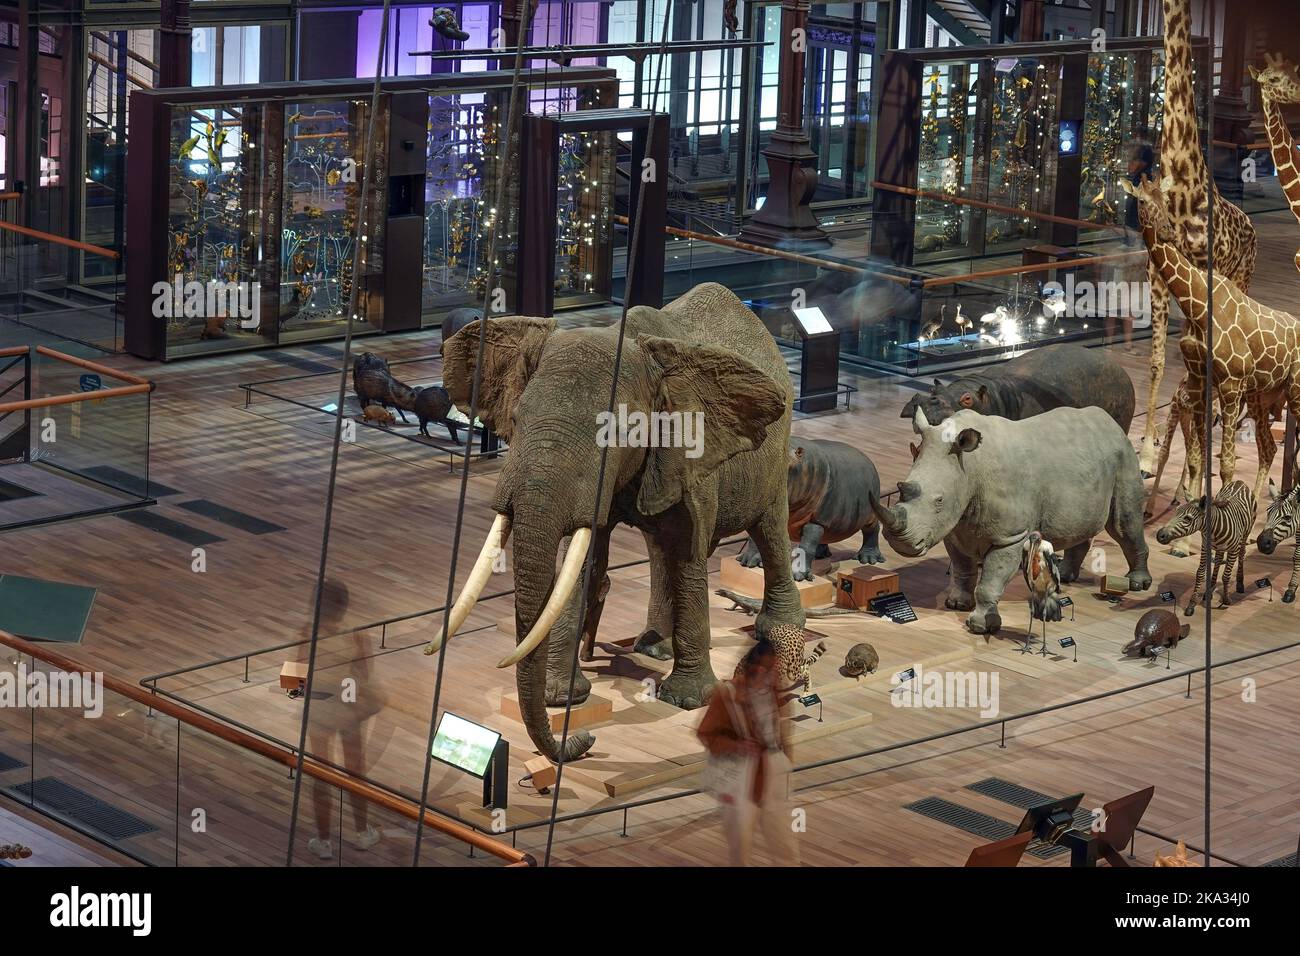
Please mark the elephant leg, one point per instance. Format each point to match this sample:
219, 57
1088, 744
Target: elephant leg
691, 682
999, 565
810, 542
657, 639
1072, 562
781, 604
749, 556
869, 553
961, 589
560, 652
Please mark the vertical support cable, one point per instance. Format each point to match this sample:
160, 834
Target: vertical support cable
503, 157
1208, 440
358, 248
584, 588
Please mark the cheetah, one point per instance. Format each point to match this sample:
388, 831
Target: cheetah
792, 666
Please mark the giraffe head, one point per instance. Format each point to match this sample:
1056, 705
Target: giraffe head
1277, 82
1153, 211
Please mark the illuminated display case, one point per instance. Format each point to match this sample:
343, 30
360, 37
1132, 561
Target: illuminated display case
255, 191
1000, 150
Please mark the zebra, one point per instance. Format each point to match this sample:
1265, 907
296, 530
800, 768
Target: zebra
1233, 517
1278, 526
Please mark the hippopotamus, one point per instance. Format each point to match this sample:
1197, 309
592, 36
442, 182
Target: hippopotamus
1156, 630
828, 483
981, 484
1054, 376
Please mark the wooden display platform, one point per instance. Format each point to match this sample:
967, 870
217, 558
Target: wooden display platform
749, 582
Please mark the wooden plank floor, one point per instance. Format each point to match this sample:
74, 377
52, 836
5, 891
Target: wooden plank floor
390, 541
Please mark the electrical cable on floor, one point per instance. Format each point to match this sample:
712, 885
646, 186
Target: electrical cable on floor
498, 212
359, 245
584, 588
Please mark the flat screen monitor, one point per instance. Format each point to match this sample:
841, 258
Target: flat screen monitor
464, 744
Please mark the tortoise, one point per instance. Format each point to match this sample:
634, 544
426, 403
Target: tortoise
861, 659
1156, 629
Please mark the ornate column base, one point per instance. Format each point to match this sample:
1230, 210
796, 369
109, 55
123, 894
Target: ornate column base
785, 221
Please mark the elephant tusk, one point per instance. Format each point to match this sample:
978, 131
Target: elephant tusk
477, 581
570, 572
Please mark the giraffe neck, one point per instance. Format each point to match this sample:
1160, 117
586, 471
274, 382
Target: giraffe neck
1282, 146
1185, 281
1180, 143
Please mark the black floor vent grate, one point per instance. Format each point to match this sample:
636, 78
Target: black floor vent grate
8, 763
1013, 794
67, 801
1288, 860
981, 824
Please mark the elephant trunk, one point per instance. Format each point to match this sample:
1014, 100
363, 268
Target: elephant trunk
536, 594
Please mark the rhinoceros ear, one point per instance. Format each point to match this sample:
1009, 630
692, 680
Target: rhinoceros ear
910, 408
968, 440
967, 400
916, 450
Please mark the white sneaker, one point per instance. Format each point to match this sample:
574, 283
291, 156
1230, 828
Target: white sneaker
321, 848
368, 837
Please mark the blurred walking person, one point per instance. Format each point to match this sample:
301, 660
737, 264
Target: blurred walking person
746, 731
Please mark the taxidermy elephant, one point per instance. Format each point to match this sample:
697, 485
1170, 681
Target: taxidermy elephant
981, 484
1055, 376
705, 361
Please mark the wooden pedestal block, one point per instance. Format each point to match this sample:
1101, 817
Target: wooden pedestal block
594, 710
749, 582
293, 675
541, 773
1113, 585
856, 588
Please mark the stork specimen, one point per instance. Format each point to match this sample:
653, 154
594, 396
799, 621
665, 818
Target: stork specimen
1041, 568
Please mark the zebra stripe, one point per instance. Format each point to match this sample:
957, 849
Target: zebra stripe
1281, 524
1231, 518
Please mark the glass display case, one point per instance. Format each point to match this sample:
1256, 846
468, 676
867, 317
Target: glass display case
324, 167
248, 199
1004, 153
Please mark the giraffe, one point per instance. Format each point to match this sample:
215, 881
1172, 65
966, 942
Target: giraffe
1180, 158
1262, 410
1279, 84
1256, 354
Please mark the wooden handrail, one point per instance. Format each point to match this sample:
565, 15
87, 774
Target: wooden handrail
777, 253
10, 195
262, 748
1021, 270
60, 240
14, 350
93, 366
994, 207
72, 398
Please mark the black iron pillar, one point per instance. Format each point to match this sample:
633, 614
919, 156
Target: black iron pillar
786, 219
175, 43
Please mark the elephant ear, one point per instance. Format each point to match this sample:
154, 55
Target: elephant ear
738, 401
511, 352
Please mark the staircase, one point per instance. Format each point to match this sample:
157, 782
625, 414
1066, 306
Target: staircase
967, 20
